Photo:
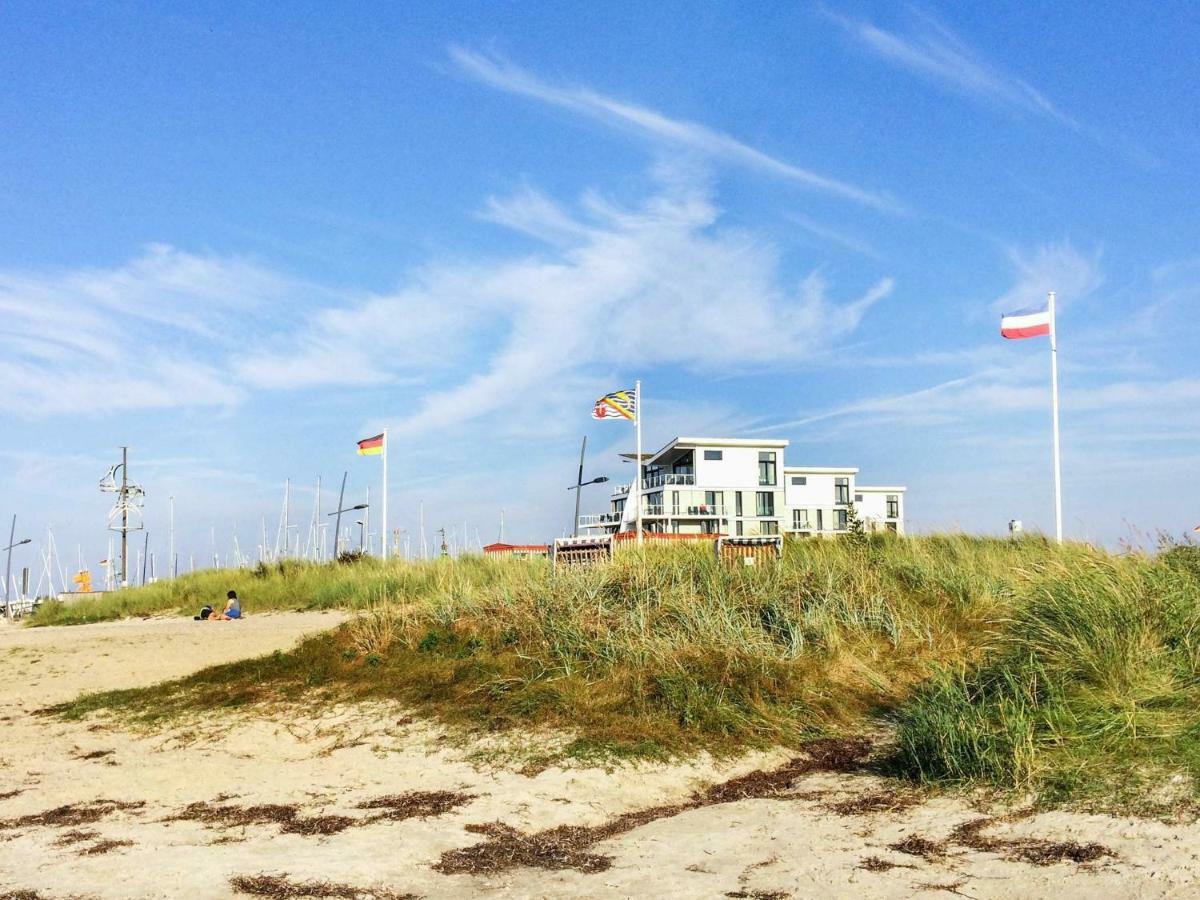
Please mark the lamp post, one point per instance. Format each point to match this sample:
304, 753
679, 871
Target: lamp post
362, 535
578, 486
337, 533
12, 533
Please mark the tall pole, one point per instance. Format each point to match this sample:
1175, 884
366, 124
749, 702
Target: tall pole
145, 557
171, 558
12, 536
383, 527
366, 521
287, 496
124, 516
1058, 531
637, 484
579, 488
337, 527
317, 548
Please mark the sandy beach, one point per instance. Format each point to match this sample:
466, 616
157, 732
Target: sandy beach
366, 801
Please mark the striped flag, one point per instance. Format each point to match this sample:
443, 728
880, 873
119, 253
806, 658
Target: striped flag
372, 446
1026, 323
617, 405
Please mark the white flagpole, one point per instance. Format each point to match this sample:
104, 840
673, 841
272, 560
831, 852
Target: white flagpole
1058, 531
384, 526
637, 483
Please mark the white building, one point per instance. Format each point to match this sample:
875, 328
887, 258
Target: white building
742, 487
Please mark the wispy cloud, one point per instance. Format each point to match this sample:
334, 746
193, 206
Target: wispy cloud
616, 289
505, 76
134, 336
835, 236
932, 50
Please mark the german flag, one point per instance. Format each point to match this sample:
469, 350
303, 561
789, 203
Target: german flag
372, 446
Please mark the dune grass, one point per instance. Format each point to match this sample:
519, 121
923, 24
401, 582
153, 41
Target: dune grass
1063, 670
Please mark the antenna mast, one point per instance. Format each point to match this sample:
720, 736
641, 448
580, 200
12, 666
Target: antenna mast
130, 498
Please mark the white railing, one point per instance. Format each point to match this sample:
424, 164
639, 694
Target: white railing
621, 489
666, 479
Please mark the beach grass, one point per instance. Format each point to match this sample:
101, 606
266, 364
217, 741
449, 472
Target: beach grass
1062, 670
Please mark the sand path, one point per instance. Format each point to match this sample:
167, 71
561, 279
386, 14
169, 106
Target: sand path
307, 765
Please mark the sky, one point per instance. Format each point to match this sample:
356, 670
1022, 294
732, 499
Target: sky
239, 238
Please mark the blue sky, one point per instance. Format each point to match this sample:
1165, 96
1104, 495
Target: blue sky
238, 239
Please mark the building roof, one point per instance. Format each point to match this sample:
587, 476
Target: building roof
712, 442
892, 489
508, 548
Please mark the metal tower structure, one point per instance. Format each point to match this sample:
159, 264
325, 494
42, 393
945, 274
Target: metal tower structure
127, 509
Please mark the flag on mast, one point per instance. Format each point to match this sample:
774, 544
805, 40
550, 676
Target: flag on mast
1038, 321
617, 405
372, 446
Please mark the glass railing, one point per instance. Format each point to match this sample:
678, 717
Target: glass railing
667, 479
700, 510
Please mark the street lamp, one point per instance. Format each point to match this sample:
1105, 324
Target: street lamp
8, 567
337, 528
362, 535
580, 484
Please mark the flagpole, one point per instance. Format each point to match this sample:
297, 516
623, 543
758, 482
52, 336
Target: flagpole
384, 525
637, 485
1058, 532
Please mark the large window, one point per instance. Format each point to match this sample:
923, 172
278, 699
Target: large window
766, 467
893, 506
841, 490
800, 519
766, 503
714, 499
769, 527
714, 454
820, 520
738, 504
839, 520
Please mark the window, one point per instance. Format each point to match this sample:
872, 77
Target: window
799, 480
714, 454
770, 527
820, 520
858, 498
841, 490
800, 519
739, 529
766, 467
893, 506
674, 503
766, 504
891, 526
738, 503
714, 499
839, 520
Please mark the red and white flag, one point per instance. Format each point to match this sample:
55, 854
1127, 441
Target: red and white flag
1026, 323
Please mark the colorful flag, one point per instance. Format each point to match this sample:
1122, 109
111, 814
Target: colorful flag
372, 446
617, 405
1026, 323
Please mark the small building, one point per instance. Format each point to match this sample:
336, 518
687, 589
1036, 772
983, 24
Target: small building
520, 551
742, 488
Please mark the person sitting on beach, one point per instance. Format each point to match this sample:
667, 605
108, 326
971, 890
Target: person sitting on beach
233, 609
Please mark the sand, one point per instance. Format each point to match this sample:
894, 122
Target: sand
316, 771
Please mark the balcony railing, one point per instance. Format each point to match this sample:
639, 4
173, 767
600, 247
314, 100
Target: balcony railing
599, 520
700, 510
621, 489
667, 479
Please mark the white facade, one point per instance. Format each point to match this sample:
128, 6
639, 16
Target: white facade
742, 487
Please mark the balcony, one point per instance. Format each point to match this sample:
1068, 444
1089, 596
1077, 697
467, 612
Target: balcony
621, 489
668, 479
600, 520
700, 511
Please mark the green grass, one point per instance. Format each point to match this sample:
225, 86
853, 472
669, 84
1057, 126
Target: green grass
1066, 671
